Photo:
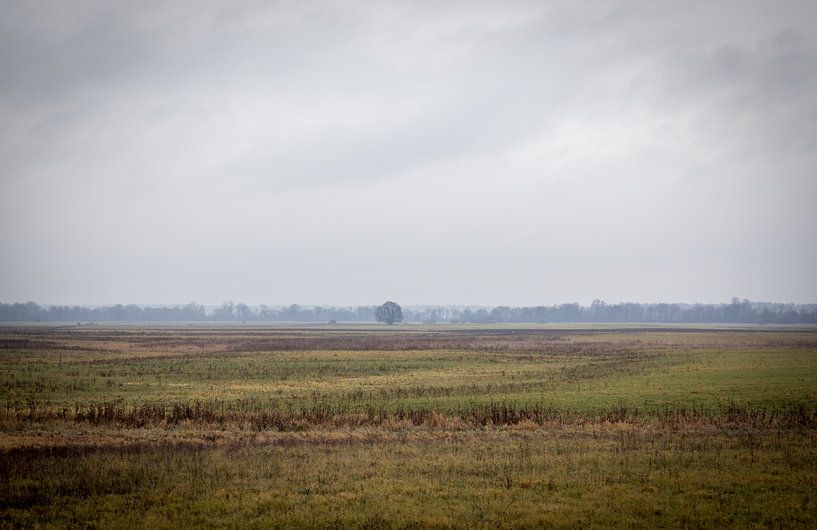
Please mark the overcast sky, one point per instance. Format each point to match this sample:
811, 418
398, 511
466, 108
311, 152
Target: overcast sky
345, 153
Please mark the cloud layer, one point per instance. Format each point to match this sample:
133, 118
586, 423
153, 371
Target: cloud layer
348, 152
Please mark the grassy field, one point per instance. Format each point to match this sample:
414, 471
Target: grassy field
436, 426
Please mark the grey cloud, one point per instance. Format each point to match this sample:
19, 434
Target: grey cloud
576, 148
40, 62
760, 99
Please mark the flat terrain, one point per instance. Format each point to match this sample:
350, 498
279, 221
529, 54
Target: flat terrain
435, 426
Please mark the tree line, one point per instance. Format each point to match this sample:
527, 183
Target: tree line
736, 311
192, 312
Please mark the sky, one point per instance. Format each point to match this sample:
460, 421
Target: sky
346, 153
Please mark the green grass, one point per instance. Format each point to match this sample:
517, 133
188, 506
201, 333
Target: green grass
439, 380
449, 428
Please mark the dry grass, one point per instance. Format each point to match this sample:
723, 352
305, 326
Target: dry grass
271, 427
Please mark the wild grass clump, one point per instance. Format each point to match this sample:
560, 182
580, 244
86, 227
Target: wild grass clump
323, 415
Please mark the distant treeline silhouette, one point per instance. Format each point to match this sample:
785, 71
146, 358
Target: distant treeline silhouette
737, 311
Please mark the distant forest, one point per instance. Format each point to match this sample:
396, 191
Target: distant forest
738, 311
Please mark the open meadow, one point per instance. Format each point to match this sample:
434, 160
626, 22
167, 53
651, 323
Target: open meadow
407, 426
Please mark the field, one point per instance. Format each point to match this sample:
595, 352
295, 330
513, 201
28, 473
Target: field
435, 426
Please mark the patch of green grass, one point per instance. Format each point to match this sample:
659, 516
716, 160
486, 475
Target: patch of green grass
439, 380
442, 381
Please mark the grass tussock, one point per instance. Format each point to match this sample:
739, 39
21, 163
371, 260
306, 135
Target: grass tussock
327, 415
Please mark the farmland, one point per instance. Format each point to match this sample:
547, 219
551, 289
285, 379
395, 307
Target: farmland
408, 426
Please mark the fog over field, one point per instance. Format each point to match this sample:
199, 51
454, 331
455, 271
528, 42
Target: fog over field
345, 153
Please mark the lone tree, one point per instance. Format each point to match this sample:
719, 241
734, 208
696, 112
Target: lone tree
389, 313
